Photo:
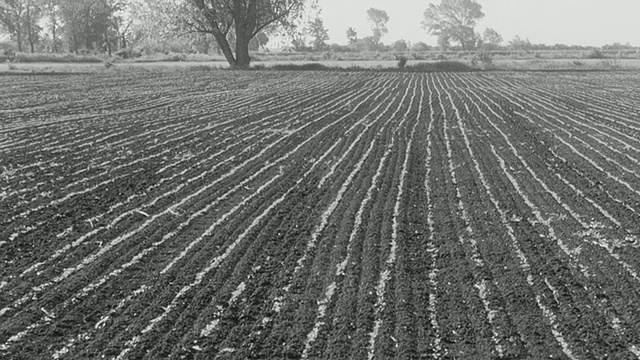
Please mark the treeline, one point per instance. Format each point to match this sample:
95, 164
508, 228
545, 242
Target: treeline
130, 28
64, 25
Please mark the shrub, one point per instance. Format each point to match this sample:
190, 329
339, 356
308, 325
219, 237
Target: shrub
128, 53
594, 54
402, 61
484, 58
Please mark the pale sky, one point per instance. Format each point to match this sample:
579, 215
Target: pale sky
570, 22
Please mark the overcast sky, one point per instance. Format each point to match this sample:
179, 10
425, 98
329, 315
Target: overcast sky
570, 22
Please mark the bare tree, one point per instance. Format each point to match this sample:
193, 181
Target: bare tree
246, 18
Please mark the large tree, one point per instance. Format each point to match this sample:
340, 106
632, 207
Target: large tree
454, 21
244, 18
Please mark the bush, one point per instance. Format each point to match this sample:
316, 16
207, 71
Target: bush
594, 54
128, 53
340, 48
484, 58
402, 61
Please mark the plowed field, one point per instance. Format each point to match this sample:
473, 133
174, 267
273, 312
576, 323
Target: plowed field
256, 215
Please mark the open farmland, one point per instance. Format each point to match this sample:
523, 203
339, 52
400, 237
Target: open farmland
195, 214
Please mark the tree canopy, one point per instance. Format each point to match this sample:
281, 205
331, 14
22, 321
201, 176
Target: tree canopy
454, 21
318, 33
243, 19
378, 19
492, 38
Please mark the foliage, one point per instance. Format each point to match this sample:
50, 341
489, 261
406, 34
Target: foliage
420, 46
594, 54
20, 19
520, 44
453, 21
91, 24
352, 36
402, 61
400, 46
366, 44
246, 18
152, 24
318, 33
378, 19
483, 58
440, 66
491, 38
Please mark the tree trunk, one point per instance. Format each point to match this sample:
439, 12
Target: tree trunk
29, 27
55, 39
19, 39
108, 43
242, 52
224, 47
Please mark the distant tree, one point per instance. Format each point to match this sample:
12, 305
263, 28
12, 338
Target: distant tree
378, 19
247, 18
352, 36
366, 44
420, 46
492, 38
400, 46
318, 33
453, 21
299, 41
520, 44
443, 42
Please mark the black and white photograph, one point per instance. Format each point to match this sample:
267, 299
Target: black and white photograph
319, 179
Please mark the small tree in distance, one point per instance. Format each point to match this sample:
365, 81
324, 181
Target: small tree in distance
352, 36
491, 38
318, 33
520, 44
400, 46
378, 19
420, 46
